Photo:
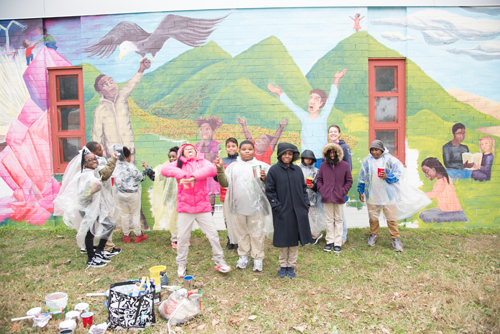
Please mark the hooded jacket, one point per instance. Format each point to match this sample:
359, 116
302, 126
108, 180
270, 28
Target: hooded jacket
194, 197
334, 181
347, 153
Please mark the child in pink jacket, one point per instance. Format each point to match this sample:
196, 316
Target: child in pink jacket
193, 203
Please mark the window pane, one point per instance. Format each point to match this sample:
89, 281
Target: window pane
386, 109
70, 147
389, 138
68, 88
385, 79
70, 118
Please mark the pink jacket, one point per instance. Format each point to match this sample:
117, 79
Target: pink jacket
194, 198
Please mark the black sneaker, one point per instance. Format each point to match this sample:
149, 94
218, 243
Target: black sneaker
229, 245
315, 241
113, 252
336, 249
328, 248
84, 250
102, 257
96, 263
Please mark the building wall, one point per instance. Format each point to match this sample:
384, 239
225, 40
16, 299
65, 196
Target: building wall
452, 61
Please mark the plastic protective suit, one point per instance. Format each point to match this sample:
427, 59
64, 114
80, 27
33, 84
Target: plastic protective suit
246, 196
317, 210
164, 201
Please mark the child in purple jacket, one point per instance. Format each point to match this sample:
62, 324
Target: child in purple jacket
334, 181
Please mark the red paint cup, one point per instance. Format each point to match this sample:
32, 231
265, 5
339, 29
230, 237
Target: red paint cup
309, 180
380, 171
87, 319
112, 180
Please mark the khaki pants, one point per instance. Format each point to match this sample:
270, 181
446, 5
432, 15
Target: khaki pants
334, 224
128, 212
390, 215
109, 244
288, 256
207, 225
250, 230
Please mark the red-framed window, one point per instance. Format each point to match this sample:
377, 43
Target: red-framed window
67, 114
387, 103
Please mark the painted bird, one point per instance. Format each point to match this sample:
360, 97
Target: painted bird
132, 38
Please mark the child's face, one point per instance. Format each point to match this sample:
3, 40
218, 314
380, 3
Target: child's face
247, 152
129, 158
26, 43
189, 152
459, 135
108, 87
376, 153
485, 145
262, 143
231, 148
333, 154
206, 132
287, 157
334, 134
98, 151
308, 161
90, 161
172, 156
430, 173
315, 103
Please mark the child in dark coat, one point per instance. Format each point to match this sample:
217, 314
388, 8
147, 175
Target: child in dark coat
286, 191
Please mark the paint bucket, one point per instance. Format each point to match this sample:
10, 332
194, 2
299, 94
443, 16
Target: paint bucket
82, 307
57, 301
68, 324
154, 273
34, 311
73, 315
67, 331
187, 281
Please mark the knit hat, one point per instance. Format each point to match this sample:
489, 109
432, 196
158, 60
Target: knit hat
308, 154
283, 147
378, 144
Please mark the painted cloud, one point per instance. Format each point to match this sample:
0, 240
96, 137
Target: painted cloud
440, 27
395, 36
484, 51
484, 10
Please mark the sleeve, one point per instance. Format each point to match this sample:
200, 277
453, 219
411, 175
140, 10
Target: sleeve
438, 188
107, 171
348, 182
150, 173
319, 179
207, 170
221, 177
327, 108
347, 155
305, 195
171, 170
130, 85
446, 155
362, 177
301, 114
137, 175
396, 171
271, 192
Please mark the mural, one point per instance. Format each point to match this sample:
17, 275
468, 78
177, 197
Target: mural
154, 80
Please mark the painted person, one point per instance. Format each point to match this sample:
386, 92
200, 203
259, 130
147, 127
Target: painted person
334, 136
265, 145
192, 172
379, 191
286, 191
29, 51
452, 154
208, 149
47, 38
487, 147
449, 208
248, 212
112, 116
314, 133
334, 182
356, 20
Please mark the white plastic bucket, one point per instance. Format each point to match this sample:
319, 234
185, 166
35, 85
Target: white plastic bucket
57, 301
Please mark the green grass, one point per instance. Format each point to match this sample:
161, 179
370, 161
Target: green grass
446, 280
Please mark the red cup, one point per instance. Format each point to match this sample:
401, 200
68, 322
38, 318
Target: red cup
309, 180
87, 319
112, 180
380, 171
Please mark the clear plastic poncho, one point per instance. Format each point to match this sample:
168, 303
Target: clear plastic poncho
163, 197
246, 196
408, 199
317, 216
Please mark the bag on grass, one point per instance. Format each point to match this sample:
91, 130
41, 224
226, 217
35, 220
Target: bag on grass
127, 311
180, 307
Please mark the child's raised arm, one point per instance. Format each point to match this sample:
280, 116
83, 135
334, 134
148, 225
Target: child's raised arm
277, 135
243, 123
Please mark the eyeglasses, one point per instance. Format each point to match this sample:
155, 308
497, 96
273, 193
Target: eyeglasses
95, 159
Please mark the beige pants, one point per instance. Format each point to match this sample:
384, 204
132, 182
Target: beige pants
128, 212
173, 237
109, 244
390, 215
334, 227
288, 256
250, 230
207, 225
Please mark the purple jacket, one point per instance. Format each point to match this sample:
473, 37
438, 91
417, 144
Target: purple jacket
334, 181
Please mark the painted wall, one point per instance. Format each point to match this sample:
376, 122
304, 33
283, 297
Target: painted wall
205, 83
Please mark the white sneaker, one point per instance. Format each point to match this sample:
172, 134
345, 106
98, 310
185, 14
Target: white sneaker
257, 265
181, 271
222, 267
242, 262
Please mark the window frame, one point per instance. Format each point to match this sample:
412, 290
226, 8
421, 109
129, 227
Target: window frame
400, 124
55, 118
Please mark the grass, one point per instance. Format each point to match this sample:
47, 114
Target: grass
445, 281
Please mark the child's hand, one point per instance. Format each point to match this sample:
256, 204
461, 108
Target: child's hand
218, 162
145, 164
242, 121
310, 185
362, 197
275, 90
383, 175
284, 123
263, 175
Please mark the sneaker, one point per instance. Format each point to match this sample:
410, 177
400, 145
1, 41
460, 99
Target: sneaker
126, 238
315, 241
174, 244
181, 271
102, 257
336, 249
96, 263
113, 252
398, 245
328, 248
222, 267
372, 240
83, 250
242, 262
140, 238
282, 272
257, 265
229, 245
290, 272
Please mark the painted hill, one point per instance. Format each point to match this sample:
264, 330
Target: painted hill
484, 105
